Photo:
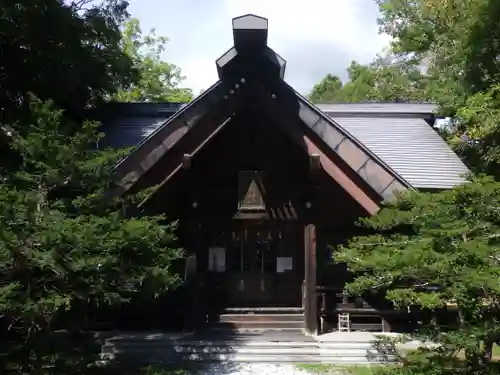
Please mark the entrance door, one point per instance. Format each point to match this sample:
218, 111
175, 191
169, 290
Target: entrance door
265, 267
255, 275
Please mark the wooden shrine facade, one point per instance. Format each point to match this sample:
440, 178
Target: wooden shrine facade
261, 182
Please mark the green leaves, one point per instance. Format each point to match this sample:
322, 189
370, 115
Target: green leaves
158, 80
327, 90
64, 248
433, 249
457, 40
72, 57
386, 79
430, 249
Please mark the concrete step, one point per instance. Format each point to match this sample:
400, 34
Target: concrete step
334, 346
251, 351
263, 317
284, 358
261, 358
268, 324
258, 348
263, 310
253, 330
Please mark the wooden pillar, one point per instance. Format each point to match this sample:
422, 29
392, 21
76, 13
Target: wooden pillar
310, 300
191, 285
191, 229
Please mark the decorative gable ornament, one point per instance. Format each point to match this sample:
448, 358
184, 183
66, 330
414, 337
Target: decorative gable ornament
250, 195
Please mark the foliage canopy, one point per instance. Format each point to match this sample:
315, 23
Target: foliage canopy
427, 250
66, 248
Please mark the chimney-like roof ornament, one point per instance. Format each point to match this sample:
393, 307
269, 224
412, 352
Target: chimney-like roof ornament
250, 51
249, 31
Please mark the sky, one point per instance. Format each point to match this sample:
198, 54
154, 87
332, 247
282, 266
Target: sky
315, 37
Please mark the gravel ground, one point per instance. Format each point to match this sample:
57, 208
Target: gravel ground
255, 369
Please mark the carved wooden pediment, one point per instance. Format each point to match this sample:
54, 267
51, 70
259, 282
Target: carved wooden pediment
250, 192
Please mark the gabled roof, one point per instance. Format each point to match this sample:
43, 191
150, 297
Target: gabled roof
155, 146
411, 147
129, 124
252, 73
404, 140
412, 109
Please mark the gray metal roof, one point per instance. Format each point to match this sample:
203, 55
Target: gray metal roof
130, 131
379, 108
128, 124
405, 142
411, 147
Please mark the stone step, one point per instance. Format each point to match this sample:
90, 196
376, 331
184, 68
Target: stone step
251, 351
261, 358
283, 358
263, 317
247, 350
256, 331
268, 324
264, 345
260, 348
367, 327
334, 345
263, 310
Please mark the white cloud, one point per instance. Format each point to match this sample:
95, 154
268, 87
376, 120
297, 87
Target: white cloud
315, 37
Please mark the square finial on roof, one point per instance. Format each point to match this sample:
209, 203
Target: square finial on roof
250, 31
250, 22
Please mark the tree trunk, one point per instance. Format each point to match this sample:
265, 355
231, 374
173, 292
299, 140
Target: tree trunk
488, 350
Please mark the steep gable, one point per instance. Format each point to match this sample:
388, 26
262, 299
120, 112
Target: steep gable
350, 148
404, 137
397, 133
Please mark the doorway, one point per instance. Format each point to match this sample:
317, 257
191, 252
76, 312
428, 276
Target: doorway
263, 265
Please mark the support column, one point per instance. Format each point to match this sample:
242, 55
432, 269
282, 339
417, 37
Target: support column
310, 300
191, 293
191, 238
191, 280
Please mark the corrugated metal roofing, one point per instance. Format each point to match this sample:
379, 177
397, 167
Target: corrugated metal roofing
411, 147
125, 131
128, 124
389, 108
407, 144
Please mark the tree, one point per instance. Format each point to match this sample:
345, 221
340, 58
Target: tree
60, 51
158, 79
476, 134
327, 90
64, 248
386, 79
361, 83
459, 41
428, 250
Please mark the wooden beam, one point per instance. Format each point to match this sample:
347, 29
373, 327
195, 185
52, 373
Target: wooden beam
310, 302
140, 160
186, 161
296, 130
342, 178
180, 164
314, 165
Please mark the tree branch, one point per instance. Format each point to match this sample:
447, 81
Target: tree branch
80, 4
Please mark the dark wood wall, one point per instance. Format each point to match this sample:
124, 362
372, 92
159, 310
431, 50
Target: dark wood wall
205, 197
252, 142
